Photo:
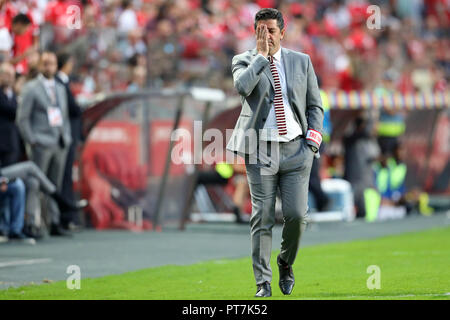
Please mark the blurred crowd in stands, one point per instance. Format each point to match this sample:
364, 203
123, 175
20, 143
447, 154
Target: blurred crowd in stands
160, 43
127, 45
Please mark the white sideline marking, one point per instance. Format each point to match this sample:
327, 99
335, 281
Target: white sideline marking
23, 262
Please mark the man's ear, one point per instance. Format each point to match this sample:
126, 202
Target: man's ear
282, 33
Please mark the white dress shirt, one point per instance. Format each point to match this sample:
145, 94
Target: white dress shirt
50, 87
270, 131
9, 93
64, 77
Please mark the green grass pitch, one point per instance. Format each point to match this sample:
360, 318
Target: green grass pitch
412, 266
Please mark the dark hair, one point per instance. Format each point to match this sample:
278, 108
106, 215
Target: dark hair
62, 58
46, 51
126, 4
268, 14
133, 60
21, 19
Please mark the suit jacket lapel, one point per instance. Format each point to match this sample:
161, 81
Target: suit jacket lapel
44, 94
288, 71
266, 71
60, 94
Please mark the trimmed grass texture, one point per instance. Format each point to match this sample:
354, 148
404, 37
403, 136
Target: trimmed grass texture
412, 266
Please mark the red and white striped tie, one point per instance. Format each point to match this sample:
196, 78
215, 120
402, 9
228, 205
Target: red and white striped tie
278, 100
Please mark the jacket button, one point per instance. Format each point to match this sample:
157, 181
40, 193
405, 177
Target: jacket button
264, 119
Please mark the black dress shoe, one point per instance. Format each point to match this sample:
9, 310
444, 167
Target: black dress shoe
20, 237
71, 226
57, 230
264, 290
33, 232
65, 204
287, 280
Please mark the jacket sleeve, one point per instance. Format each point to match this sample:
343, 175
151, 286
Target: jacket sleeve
246, 74
23, 118
74, 108
314, 109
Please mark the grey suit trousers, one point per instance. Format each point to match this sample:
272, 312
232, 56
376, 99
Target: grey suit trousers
294, 160
52, 161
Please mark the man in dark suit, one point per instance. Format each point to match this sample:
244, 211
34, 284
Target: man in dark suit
10, 145
65, 66
12, 194
281, 112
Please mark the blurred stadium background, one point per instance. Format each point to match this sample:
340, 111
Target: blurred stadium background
138, 67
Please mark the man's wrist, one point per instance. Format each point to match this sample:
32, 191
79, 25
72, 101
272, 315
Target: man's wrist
264, 55
313, 148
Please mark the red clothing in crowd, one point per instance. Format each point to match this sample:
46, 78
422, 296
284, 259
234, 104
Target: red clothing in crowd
7, 13
440, 9
21, 43
56, 12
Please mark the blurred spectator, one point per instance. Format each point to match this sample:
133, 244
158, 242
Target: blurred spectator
10, 144
43, 121
25, 50
12, 209
391, 124
138, 80
56, 12
221, 175
190, 42
127, 19
390, 174
65, 66
335, 167
390, 178
338, 14
36, 181
358, 160
9, 49
321, 199
133, 44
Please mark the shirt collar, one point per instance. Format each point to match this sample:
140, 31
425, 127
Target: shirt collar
47, 82
277, 55
64, 77
9, 92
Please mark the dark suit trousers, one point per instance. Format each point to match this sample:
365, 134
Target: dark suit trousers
67, 184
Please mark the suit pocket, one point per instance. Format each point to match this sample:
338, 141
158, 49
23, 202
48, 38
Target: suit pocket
310, 153
306, 154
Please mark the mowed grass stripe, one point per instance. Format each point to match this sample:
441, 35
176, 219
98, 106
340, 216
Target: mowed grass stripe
413, 266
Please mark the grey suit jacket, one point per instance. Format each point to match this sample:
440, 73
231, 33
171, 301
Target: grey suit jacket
254, 82
32, 119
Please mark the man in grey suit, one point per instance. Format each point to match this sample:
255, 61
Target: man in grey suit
43, 121
281, 111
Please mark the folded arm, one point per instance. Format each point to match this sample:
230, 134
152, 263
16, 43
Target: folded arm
246, 74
